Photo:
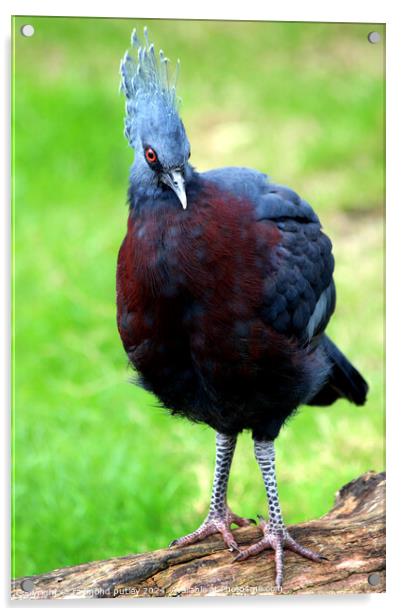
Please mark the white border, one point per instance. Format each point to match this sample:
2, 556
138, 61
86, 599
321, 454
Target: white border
306, 10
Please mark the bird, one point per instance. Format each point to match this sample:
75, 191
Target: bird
224, 291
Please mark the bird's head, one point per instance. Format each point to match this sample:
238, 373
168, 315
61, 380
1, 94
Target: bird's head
152, 124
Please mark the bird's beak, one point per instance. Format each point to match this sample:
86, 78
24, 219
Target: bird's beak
175, 180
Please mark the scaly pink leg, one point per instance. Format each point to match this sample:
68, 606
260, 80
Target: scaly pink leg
275, 534
220, 517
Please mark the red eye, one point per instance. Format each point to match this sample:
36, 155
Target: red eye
150, 155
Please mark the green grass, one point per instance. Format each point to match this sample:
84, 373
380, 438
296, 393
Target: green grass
99, 469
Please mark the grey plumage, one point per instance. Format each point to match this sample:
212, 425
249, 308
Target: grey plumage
147, 86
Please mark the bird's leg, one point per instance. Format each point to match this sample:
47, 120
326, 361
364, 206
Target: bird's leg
219, 517
275, 534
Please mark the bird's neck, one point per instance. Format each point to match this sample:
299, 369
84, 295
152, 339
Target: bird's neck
145, 190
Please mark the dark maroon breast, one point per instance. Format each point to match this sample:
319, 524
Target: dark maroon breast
189, 291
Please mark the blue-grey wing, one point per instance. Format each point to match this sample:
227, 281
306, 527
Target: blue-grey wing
299, 291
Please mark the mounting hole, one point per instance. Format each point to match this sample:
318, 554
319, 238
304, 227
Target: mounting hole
27, 585
27, 30
374, 579
374, 37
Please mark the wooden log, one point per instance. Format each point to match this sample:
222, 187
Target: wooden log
351, 536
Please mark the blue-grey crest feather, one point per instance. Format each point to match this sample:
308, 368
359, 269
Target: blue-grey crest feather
145, 81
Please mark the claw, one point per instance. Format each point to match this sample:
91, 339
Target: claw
212, 525
235, 519
278, 541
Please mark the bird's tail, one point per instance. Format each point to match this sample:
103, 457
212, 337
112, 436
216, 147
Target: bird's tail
344, 380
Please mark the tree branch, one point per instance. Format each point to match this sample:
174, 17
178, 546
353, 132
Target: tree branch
351, 536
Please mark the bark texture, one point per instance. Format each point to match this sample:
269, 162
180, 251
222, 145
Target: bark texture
351, 536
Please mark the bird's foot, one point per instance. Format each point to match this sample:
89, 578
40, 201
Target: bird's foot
278, 540
215, 523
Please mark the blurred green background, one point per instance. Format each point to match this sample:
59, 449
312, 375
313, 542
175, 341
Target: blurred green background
99, 470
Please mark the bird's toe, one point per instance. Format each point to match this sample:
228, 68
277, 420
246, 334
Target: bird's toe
278, 540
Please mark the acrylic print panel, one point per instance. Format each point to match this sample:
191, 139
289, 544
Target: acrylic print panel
222, 306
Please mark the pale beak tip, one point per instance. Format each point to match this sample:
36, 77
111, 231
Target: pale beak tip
175, 180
